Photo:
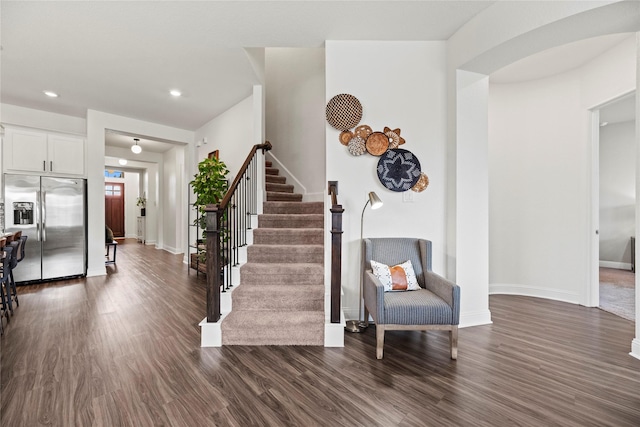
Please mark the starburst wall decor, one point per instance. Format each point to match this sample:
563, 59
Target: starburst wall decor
398, 169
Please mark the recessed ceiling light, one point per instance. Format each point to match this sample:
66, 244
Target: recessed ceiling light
50, 94
175, 92
122, 162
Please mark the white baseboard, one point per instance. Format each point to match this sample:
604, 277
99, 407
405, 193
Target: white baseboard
616, 265
102, 271
532, 291
313, 197
334, 332
211, 333
635, 348
171, 250
475, 318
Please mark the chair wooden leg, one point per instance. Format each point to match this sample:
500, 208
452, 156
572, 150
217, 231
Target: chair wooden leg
453, 342
366, 316
379, 340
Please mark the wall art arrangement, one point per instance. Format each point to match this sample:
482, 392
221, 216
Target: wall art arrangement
398, 169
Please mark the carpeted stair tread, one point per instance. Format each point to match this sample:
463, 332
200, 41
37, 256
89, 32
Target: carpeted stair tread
271, 171
285, 253
275, 196
279, 188
276, 179
268, 164
288, 236
279, 298
291, 221
273, 328
282, 274
293, 208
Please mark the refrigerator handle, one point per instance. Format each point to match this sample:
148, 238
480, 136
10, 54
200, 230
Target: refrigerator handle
44, 216
37, 216
44, 165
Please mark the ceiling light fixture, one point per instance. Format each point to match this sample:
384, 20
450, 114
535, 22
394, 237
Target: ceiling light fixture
175, 92
50, 94
603, 124
136, 148
122, 162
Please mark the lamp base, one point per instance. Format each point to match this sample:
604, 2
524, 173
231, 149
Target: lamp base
355, 326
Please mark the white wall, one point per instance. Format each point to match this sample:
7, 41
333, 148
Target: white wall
295, 125
173, 221
409, 95
540, 182
231, 133
617, 193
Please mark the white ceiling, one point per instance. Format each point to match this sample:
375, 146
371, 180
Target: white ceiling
557, 60
123, 57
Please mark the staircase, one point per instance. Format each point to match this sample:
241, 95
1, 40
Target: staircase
280, 299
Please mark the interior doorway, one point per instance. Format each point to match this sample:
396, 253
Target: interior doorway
114, 208
614, 209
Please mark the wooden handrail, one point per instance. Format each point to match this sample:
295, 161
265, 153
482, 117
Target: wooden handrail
227, 223
336, 252
234, 185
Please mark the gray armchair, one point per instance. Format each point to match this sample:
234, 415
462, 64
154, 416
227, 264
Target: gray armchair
435, 306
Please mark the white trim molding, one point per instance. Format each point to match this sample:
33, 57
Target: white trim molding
635, 348
533, 291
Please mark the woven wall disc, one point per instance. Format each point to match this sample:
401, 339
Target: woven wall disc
344, 111
423, 182
377, 143
394, 139
356, 146
398, 170
345, 137
363, 131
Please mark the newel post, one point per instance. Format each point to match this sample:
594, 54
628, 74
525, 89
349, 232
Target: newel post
336, 253
214, 266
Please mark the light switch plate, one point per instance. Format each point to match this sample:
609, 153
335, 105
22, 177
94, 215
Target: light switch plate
408, 196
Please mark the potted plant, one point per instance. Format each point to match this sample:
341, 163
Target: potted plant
209, 186
142, 202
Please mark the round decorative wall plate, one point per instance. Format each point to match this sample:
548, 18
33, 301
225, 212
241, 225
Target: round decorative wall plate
377, 143
344, 111
356, 146
423, 182
398, 169
345, 137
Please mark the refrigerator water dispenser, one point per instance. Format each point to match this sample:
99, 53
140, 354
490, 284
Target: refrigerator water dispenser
22, 213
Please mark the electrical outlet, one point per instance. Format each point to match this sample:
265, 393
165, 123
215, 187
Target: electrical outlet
408, 196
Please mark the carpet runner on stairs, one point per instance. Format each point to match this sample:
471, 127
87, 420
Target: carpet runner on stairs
280, 299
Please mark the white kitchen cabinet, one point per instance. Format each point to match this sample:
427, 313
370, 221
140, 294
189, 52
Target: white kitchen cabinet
45, 153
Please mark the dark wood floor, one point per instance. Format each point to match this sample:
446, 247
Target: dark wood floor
123, 350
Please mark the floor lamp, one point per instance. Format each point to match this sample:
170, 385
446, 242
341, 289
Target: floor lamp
359, 325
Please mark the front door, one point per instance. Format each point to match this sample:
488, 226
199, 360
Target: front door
114, 207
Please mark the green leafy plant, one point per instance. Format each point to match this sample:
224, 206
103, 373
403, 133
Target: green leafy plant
141, 201
209, 185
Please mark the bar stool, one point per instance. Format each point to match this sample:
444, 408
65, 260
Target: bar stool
17, 246
5, 279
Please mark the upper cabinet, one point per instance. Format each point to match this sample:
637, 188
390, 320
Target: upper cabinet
46, 153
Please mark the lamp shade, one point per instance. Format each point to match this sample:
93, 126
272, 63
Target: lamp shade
375, 200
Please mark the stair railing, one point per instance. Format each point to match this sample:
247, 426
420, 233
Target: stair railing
227, 225
336, 252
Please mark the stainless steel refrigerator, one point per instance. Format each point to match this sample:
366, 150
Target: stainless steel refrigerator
52, 213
